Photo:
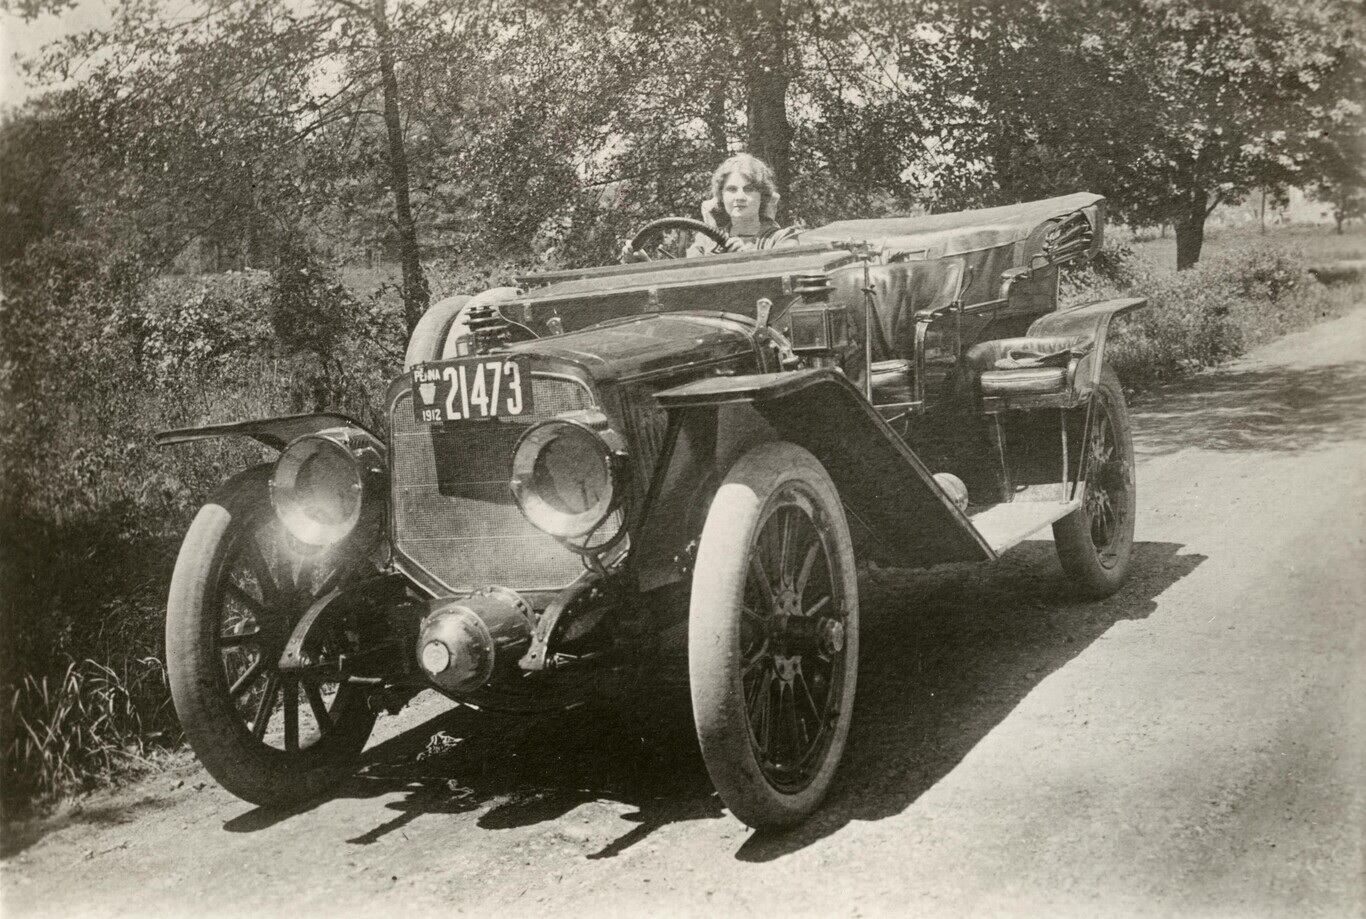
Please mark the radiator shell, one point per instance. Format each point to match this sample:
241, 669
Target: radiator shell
454, 523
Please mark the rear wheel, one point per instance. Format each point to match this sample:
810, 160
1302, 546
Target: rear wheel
240, 586
1095, 542
773, 636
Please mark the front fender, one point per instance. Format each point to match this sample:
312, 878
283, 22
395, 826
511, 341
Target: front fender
897, 512
275, 433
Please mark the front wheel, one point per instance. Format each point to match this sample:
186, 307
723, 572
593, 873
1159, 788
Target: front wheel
1095, 543
240, 586
773, 636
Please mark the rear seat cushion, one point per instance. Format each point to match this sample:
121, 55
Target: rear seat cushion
1016, 353
1007, 366
1018, 382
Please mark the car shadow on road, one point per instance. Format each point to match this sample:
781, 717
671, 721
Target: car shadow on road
517, 770
1261, 409
946, 655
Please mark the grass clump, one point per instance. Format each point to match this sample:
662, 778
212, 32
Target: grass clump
92, 720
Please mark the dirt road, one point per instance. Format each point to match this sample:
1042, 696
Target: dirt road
1193, 745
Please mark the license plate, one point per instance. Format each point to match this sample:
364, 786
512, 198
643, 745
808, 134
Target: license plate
472, 389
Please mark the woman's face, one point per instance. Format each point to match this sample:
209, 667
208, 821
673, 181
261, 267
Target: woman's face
740, 197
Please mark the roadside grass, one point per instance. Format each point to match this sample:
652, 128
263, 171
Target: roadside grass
84, 570
86, 557
83, 575
1315, 242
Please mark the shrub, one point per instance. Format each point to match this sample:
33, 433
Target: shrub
185, 325
1227, 303
1185, 326
89, 721
1262, 271
94, 359
1114, 268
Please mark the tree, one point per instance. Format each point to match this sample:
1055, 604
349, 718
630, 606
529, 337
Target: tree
224, 114
1341, 184
40, 191
1337, 163
1170, 107
811, 86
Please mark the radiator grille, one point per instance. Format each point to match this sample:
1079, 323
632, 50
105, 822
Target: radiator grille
646, 425
452, 510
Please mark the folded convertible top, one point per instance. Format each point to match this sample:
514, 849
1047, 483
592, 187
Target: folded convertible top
932, 236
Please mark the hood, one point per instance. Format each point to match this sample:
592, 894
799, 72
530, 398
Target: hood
642, 345
719, 284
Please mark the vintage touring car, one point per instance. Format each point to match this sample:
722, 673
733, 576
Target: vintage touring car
584, 469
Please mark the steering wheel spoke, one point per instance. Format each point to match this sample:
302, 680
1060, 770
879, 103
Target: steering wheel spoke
635, 250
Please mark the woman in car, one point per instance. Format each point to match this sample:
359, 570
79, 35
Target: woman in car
743, 203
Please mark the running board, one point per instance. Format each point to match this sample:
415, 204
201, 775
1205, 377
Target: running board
1007, 525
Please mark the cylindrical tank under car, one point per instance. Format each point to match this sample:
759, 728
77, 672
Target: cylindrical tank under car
464, 643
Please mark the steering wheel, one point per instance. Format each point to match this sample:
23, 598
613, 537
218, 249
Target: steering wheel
633, 251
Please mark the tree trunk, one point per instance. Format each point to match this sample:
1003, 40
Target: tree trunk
1190, 229
416, 295
764, 31
716, 119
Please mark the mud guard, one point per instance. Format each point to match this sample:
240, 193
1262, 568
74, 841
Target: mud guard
275, 433
897, 513
1092, 320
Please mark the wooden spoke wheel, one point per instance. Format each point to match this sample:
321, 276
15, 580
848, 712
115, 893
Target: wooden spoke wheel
773, 636
240, 586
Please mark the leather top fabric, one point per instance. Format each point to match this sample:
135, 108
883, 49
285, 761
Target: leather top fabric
944, 235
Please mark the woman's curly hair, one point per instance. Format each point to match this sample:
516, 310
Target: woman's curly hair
758, 172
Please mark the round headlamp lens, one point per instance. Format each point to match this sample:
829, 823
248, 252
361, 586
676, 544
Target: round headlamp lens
316, 490
562, 478
570, 475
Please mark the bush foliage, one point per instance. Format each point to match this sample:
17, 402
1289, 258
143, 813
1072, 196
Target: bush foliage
97, 357
1247, 293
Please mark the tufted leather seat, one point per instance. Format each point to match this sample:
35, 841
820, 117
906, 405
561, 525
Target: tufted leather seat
1017, 366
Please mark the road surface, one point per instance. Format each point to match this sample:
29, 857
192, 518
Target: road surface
1190, 746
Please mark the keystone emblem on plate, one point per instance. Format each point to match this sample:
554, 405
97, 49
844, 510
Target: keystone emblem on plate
428, 392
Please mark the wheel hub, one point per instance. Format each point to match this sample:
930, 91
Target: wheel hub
832, 636
787, 666
795, 635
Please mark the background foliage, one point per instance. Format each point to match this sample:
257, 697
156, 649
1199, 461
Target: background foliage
239, 208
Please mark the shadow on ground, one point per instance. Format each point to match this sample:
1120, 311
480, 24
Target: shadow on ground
17, 836
1277, 408
947, 655
522, 770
